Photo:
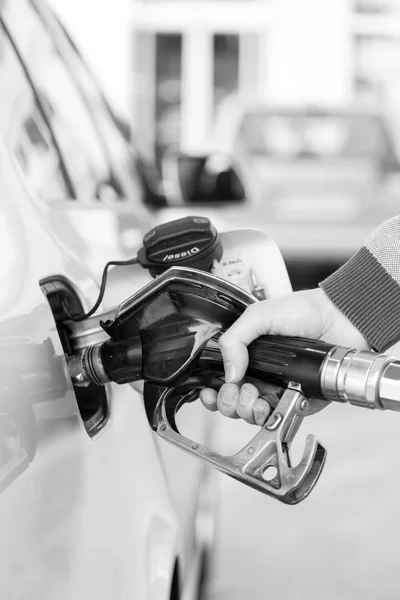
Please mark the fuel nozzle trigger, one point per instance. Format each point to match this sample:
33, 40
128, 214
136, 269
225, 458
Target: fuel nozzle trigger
264, 463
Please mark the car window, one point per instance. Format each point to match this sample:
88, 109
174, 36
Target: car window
321, 136
136, 174
121, 151
24, 129
70, 119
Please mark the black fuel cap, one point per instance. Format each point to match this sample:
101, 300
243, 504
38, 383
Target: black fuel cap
191, 242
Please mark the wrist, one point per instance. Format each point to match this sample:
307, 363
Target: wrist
337, 328
365, 292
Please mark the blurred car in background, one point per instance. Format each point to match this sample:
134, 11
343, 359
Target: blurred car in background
92, 504
317, 180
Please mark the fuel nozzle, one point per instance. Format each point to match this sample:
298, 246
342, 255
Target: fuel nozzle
157, 334
361, 378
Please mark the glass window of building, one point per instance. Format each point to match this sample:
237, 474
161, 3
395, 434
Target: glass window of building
376, 7
376, 65
226, 66
168, 92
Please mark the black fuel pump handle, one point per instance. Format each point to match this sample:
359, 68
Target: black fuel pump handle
324, 371
272, 358
278, 359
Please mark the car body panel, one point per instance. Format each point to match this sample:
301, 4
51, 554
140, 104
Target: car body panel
80, 516
87, 516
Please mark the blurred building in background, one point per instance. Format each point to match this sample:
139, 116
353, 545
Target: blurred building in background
168, 64
189, 55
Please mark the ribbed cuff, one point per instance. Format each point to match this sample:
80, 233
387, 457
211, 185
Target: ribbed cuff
368, 296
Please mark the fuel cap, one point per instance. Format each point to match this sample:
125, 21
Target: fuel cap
191, 242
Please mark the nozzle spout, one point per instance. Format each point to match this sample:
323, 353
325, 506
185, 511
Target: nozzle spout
389, 387
361, 378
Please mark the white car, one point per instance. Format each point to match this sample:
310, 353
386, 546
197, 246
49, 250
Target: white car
92, 505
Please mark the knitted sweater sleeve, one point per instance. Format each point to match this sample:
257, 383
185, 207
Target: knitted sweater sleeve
367, 287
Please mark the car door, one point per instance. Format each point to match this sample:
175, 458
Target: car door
120, 225
110, 233
81, 515
86, 510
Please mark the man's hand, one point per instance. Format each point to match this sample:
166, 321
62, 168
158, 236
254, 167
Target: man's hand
308, 314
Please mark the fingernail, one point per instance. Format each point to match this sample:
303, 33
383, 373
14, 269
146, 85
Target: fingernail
261, 412
244, 397
207, 397
229, 397
229, 371
260, 407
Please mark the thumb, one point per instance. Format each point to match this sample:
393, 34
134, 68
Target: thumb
255, 321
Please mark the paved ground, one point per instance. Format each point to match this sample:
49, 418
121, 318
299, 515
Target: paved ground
342, 543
